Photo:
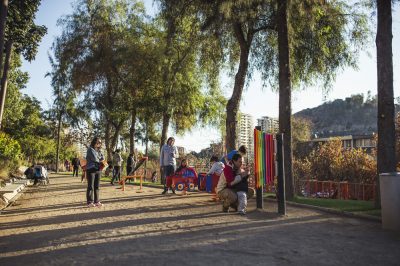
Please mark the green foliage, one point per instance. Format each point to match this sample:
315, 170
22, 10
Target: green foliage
9, 148
14, 104
301, 130
21, 29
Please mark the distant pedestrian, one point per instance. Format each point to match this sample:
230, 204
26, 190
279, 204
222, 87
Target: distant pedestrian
117, 162
130, 164
67, 165
75, 165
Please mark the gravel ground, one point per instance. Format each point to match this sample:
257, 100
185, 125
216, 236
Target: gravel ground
51, 225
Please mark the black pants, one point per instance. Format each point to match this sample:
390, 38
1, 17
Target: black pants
117, 174
128, 170
76, 170
93, 178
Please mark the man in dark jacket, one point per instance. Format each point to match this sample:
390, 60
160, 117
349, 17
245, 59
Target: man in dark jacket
75, 164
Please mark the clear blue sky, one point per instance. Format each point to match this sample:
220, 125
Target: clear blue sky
255, 101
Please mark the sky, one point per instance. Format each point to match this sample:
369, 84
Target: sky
255, 101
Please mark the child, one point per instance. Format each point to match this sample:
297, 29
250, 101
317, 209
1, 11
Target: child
217, 166
215, 172
241, 186
182, 166
227, 158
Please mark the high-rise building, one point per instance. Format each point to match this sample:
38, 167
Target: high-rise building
268, 124
245, 135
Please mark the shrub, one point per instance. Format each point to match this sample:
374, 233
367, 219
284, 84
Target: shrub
9, 148
330, 161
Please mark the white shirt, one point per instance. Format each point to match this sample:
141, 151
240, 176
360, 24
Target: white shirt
216, 168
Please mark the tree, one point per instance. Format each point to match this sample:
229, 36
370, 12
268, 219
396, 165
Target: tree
285, 92
323, 37
24, 34
386, 128
3, 19
190, 71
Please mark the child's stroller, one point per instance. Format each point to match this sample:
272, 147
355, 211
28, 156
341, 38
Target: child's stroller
40, 175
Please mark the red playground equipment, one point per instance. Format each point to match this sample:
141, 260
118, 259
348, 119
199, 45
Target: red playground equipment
184, 180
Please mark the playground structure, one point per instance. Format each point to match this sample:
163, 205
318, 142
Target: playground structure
184, 180
268, 166
137, 172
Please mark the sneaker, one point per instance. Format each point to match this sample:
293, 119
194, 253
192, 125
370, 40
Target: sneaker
164, 192
90, 205
98, 204
242, 213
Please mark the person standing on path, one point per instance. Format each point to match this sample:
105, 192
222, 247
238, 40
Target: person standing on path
75, 165
117, 162
94, 158
168, 155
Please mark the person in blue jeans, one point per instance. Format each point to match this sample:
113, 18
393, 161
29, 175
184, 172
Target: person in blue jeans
94, 159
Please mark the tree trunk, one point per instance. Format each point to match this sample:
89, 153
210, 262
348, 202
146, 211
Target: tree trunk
3, 19
386, 127
285, 104
4, 79
107, 134
58, 141
232, 107
165, 125
132, 132
171, 30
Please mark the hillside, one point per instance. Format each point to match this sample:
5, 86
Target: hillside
352, 116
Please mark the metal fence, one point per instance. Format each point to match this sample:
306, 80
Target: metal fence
336, 190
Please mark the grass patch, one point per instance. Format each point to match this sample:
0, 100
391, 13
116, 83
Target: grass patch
355, 206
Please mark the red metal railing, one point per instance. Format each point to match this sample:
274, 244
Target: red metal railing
336, 190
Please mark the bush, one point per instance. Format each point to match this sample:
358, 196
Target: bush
10, 150
330, 161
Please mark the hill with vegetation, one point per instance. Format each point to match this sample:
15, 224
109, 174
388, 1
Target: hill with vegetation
355, 115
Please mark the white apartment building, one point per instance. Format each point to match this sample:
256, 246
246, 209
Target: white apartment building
245, 135
268, 124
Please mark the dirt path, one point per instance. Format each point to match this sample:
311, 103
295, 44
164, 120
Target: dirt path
50, 226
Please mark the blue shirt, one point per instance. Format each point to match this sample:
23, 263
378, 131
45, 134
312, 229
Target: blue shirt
229, 156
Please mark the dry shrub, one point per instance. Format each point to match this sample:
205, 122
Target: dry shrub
330, 161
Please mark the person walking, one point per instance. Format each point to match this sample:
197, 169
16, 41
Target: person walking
130, 164
168, 155
94, 158
117, 162
75, 165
